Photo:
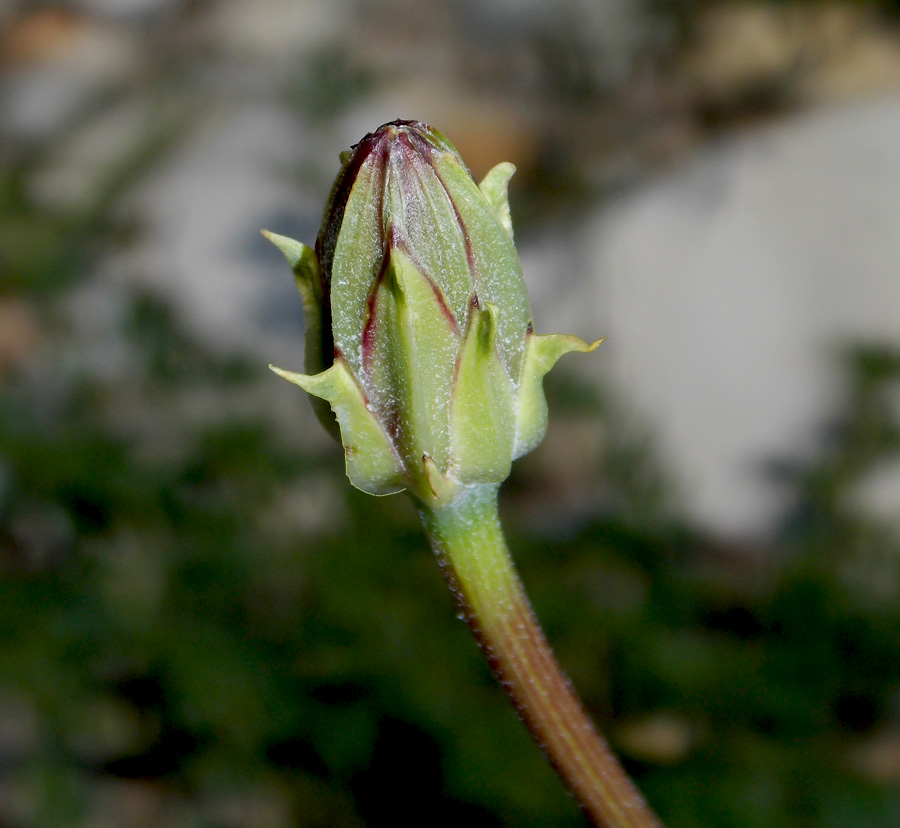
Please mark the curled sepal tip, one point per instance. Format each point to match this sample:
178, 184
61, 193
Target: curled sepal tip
372, 463
541, 353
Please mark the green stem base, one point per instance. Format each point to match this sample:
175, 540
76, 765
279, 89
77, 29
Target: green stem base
468, 540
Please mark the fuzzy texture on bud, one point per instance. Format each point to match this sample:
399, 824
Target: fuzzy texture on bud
419, 334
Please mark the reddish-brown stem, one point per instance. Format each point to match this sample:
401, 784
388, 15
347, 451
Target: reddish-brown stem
469, 542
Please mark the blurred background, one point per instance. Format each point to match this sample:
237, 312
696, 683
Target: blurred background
203, 626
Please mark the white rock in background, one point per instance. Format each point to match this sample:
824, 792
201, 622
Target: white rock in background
728, 288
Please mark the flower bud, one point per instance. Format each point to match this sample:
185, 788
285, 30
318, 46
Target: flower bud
419, 333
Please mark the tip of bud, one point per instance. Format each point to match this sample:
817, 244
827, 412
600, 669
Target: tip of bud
403, 141
418, 133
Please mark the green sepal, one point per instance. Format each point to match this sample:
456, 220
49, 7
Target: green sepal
305, 265
358, 259
411, 369
492, 256
372, 462
318, 348
481, 427
438, 237
541, 354
495, 186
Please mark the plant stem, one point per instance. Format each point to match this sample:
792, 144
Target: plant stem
468, 540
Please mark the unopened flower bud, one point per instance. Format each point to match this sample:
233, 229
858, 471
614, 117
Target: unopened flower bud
419, 332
